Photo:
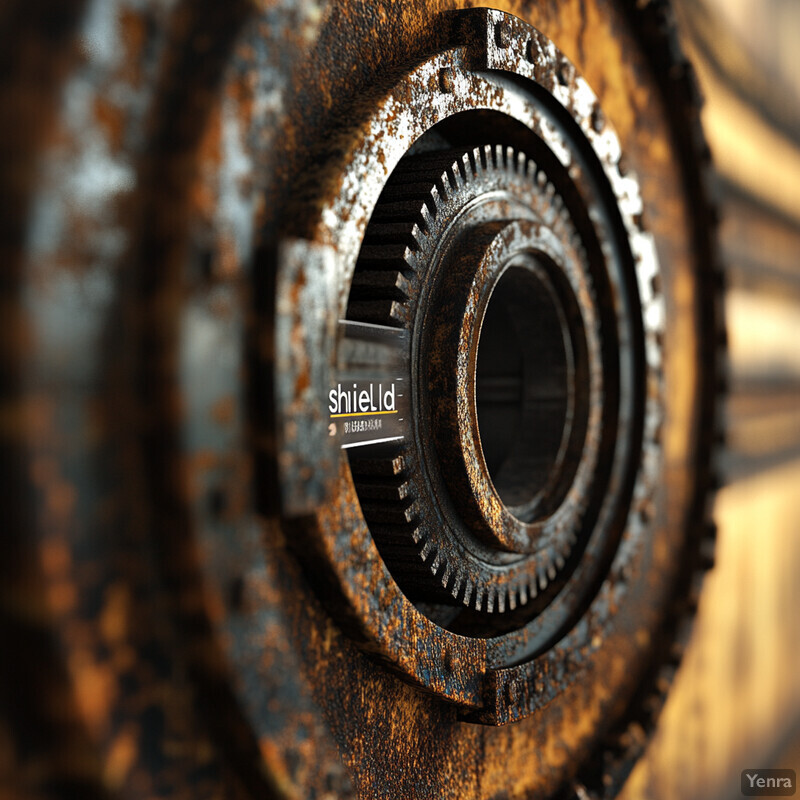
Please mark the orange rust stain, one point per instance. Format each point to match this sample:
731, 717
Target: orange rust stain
95, 690
297, 288
56, 557
213, 605
62, 596
278, 769
302, 383
134, 36
112, 120
204, 460
120, 759
241, 91
115, 615
202, 195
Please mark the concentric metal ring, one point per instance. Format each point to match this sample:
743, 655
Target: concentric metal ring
552, 113
446, 510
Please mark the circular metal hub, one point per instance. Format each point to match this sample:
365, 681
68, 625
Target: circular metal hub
503, 398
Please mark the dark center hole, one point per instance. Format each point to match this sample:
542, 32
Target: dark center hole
524, 387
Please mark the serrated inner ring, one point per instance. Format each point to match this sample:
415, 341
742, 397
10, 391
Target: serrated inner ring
423, 207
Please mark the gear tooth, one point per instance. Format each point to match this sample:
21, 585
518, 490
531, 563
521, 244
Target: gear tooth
433, 202
393, 466
383, 489
498, 156
381, 312
523, 594
446, 575
418, 536
490, 601
397, 212
501, 601
572, 537
563, 551
511, 159
533, 589
522, 163
436, 563
465, 168
380, 285
457, 585
467, 593
412, 261
486, 156
543, 582
479, 598
397, 542
400, 513
383, 256
457, 178
445, 186
391, 232
427, 547
428, 217
551, 571
398, 199
474, 156
541, 179
512, 599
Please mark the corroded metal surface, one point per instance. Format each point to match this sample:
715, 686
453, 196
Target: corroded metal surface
190, 617
384, 615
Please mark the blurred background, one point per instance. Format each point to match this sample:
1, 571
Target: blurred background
735, 703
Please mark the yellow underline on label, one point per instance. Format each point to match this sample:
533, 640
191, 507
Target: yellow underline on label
362, 414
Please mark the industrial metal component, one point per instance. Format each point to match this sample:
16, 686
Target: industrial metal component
528, 383
485, 533
391, 421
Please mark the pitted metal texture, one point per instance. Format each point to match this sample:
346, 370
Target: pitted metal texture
575, 187
196, 589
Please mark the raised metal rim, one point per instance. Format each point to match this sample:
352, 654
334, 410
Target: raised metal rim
383, 611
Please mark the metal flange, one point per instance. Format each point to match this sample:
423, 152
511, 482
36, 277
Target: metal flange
386, 604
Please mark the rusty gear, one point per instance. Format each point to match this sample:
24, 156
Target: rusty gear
430, 199
568, 228
197, 604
